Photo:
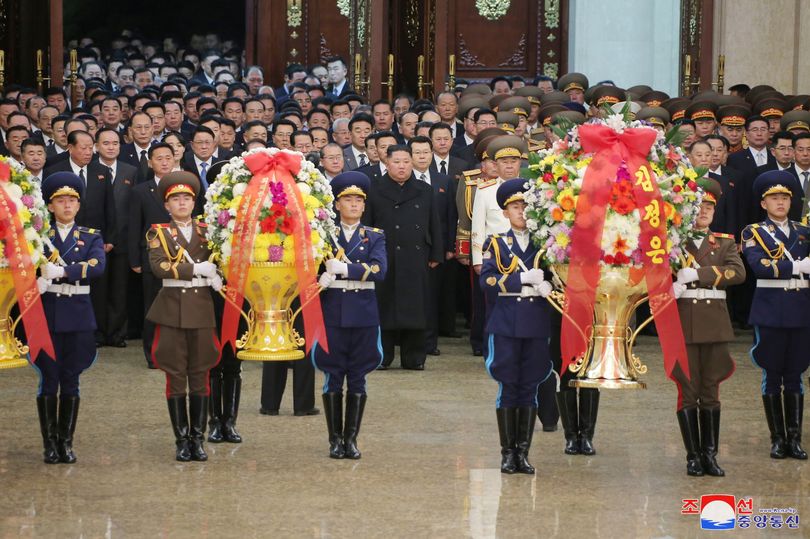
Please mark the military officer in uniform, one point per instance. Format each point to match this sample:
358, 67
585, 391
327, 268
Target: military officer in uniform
518, 327
185, 342
777, 251
65, 288
350, 314
712, 264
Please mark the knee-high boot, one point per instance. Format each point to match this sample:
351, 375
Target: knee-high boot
588, 409
68, 414
794, 408
710, 441
333, 410
567, 403
776, 424
198, 407
355, 405
215, 402
231, 391
46, 408
507, 431
525, 430
179, 417
690, 432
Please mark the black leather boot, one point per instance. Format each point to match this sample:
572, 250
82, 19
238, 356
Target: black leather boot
215, 414
231, 390
794, 410
333, 411
567, 403
68, 413
507, 431
690, 432
179, 417
525, 430
776, 424
588, 409
197, 409
710, 441
46, 408
355, 404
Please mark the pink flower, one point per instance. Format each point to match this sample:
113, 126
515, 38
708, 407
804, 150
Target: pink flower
322, 215
223, 217
549, 194
36, 222
276, 253
28, 200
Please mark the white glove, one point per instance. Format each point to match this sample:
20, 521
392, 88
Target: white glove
678, 289
802, 266
52, 271
544, 289
336, 267
533, 276
43, 284
205, 269
215, 282
687, 275
326, 280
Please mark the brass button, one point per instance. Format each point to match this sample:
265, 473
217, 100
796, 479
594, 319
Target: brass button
694, 301
519, 299
184, 291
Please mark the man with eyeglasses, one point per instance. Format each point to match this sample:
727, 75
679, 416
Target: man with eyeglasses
332, 162
782, 149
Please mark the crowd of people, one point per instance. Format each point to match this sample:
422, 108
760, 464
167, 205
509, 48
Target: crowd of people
139, 112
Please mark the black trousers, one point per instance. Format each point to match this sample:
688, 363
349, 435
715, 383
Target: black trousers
274, 381
547, 409
478, 313
109, 296
135, 314
151, 287
411, 347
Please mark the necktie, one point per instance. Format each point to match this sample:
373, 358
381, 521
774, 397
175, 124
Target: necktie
423, 178
203, 182
143, 165
363, 161
443, 167
806, 189
112, 174
50, 144
760, 159
82, 176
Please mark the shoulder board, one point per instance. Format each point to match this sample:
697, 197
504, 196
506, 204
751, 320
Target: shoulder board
755, 225
372, 229
160, 225
487, 183
202, 223
87, 230
721, 235
473, 172
471, 182
495, 236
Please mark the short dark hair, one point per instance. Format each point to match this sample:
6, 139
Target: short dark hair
800, 136
338, 103
202, 129
71, 139
382, 102
721, 138
385, 134
754, 118
205, 101
59, 118
438, 126
153, 105
157, 146
32, 141
281, 122
293, 68
315, 111
296, 134
481, 112
362, 117
783, 135
251, 124
397, 148
698, 142
233, 100
109, 130
420, 139
498, 79
741, 89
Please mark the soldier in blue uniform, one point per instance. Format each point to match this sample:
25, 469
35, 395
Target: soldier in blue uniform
777, 251
350, 314
65, 288
518, 327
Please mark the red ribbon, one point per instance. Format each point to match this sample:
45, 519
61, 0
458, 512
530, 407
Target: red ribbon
23, 273
282, 167
610, 150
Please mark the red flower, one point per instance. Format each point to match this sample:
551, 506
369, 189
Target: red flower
548, 178
268, 224
608, 259
692, 185
286, 226
278, 210
677, 189
621, 258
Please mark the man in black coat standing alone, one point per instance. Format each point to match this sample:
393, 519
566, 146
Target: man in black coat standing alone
404, 209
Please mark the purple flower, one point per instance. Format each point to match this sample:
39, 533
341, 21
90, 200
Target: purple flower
28, 200
36, 222
276, 253
223, 217
322, 215
277, 192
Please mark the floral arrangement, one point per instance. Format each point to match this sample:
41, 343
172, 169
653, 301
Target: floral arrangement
25, 195
555, 180
492, 9
274, 240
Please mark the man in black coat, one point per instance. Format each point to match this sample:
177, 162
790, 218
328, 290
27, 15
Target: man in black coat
441, 314
404, 208
748, 162
146, 209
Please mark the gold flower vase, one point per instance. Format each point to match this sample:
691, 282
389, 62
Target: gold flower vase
270, 288
609, 361
12, 351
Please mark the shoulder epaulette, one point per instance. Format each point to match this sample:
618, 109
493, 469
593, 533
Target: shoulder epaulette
372, 229
202, 223
87, 230
471, 173
487, 183
721, 235
160, 225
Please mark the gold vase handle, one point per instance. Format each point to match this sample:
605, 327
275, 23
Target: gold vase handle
224, 293
631, 342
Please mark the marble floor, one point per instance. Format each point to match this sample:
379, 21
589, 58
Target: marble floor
429, 467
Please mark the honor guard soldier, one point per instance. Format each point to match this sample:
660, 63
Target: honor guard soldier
185, 342
350, 315
65, 288
732, 125
518, 327
777, 251
712, 264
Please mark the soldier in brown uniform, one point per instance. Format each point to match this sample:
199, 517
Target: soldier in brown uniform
185, 342
712, 265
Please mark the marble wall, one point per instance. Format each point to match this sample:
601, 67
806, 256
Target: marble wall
765, 42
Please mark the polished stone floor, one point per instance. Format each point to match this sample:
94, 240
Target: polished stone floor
429, 467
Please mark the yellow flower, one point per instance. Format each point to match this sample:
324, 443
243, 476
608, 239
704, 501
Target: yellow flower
562, 240
314, 237
310, 214
566, 199
235, 202
558, 170
24, 215
289, 256
582, 163
261, 254
274, 239
548, 160
690, 173
311, 202
289, 243
262, 241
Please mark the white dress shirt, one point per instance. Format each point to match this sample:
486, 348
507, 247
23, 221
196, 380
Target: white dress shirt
64, 229
423, 176
79, 171
760, 156
522, 238
357, 153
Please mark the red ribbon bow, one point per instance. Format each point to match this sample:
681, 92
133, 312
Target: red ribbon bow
281, 167
23, 273
611, 149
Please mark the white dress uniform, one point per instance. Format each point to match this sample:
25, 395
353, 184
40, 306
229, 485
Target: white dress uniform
487, 218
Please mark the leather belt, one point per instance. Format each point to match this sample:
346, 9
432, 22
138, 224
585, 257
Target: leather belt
69, 289
787, 284
525, 292
703, 293
177, 283
346, 284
